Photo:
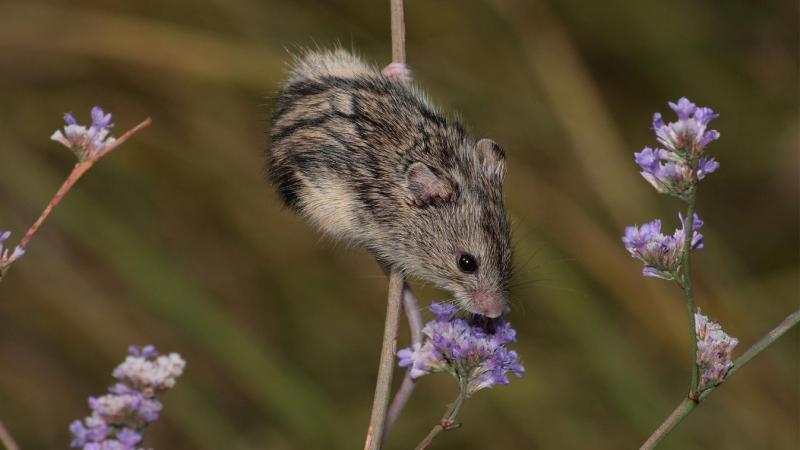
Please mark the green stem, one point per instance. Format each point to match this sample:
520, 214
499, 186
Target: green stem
448, 421
688, 405
686, 284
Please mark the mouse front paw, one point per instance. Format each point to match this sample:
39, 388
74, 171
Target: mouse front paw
397, 72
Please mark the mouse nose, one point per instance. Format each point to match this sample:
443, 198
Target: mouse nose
490, 304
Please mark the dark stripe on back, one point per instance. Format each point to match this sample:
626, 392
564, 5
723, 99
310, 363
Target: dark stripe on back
289, 130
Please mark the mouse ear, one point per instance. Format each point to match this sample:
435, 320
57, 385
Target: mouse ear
427, 185
492, 158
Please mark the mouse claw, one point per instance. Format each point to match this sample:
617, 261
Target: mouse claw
397, 72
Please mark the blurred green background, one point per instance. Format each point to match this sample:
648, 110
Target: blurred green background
176, 239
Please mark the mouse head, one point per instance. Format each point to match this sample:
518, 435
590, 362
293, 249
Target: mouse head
461, 238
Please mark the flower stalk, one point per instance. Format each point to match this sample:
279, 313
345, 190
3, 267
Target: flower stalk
120, 417
89, 145
686, 284
411, 308
448, 421
676, 170
474, 351
687, 405
383, 385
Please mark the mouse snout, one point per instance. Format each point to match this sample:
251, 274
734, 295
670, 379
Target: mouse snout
490, 304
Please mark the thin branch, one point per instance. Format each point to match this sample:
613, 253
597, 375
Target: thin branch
414, 317
125, 136
386, 367
790, 321
398, 32
688, 405
77, 172
73, 177
686, 283
448, 421
6, 439
380, 403
683, 410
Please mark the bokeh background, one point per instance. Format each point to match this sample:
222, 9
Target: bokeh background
176, 240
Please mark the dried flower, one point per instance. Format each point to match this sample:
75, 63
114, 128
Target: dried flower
677, 168
714, 348
661, 254
476, 358
7, 257
86, 143
120, 417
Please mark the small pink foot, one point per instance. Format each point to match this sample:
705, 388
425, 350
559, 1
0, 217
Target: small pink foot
397, 72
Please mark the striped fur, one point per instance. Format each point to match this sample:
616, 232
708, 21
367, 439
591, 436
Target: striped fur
343, 138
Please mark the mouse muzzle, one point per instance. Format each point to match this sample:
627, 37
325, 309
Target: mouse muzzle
489, 304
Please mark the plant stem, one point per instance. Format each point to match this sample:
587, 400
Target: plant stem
400, 399
688, 405
787, 324
398, 32
385, 368
77, 172
683, 410
686, 284
448, 421
6, 439
378, 422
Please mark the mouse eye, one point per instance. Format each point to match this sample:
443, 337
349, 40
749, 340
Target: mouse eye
467, 263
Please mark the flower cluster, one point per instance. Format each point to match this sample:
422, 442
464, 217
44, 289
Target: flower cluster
661, 254
86, 143
714, 348
120, 417
477, 358
8, 256
676, 168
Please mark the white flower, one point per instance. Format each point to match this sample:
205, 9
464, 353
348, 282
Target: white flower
151, 376
86, 142
714, 349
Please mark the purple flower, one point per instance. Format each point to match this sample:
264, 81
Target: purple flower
688, 136
706, 166
7, 257
666, 172
86, 143
714, 349
661, 254
658, 121
676, 168
705, 115
443, 311
128, 438
684, 108
131, 404
146, 352
636, 238
100, 120
697, 238
89, 430
468, 352
648, 159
